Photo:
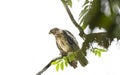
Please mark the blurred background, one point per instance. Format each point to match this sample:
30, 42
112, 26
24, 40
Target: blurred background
26, 47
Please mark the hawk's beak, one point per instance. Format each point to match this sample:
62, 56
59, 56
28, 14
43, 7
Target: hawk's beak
50, 32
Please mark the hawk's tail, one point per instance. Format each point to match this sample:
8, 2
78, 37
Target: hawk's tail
73, 64
82, 59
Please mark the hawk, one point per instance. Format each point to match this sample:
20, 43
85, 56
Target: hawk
67, 44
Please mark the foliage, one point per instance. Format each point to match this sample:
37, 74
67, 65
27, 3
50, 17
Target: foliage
100, 38
97, 51
96, 13
60, 63
63, 62
102, 14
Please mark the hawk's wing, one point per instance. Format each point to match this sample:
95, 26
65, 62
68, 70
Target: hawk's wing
61, 50
74, 44
71, 39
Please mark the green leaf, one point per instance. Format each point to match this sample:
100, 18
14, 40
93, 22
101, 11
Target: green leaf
54, 63
86, 2
57, 67
102, 50
69, 3
95, 52
66, 61
62, 66
99, 53
84, 25
71, 57
64, 2
60, 63
83, 12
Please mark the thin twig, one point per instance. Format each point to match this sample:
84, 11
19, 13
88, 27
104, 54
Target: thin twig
82, 34
48, 65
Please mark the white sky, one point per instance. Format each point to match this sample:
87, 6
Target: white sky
26, 47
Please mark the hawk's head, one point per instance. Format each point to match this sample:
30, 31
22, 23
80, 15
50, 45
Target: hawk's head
55, 31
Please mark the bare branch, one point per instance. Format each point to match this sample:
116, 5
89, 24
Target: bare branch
48, 65
82, 34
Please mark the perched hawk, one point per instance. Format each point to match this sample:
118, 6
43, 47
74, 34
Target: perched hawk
67, 43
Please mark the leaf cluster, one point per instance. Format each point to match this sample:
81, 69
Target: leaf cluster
100, 38
100, 14
96, 13
103, 14
60, 63
63, 62
97, 51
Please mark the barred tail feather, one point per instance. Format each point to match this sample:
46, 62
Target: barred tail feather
82, 59
73, 64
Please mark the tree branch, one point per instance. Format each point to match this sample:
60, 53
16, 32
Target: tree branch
82, 34
48, 65
101, 38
